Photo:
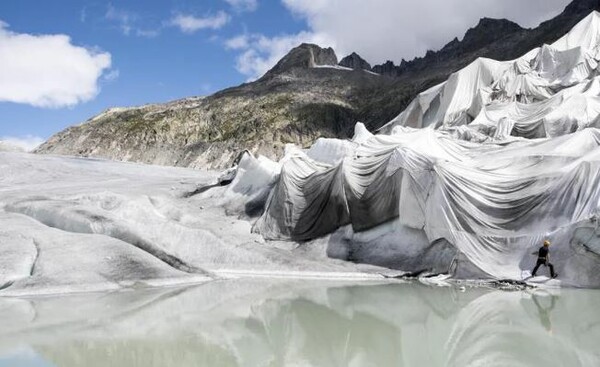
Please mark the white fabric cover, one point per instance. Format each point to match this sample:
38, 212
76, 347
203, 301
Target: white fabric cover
550, 91
493, 161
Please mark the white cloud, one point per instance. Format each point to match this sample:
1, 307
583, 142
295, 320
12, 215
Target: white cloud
27, 143
123, 18
260, 53
189, 23
392, 29
238, 42
243, 5
111, 75
48, 70
148, 33
129, 22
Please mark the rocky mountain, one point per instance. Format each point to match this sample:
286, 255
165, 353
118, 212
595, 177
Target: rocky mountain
487, 34
305, 96
354, 61
305, 56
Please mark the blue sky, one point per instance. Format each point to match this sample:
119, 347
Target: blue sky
125, 52
151, 67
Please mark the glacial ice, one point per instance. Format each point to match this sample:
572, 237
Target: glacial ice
72, 225
6, 146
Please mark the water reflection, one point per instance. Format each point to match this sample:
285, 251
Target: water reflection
545, 312
299, 323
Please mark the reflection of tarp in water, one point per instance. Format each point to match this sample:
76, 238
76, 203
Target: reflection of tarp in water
496, 330
260, 323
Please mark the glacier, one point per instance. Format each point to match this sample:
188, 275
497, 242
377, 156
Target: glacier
465, 183
72, 225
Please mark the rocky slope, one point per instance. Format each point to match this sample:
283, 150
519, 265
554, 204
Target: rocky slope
295, 102
305, 96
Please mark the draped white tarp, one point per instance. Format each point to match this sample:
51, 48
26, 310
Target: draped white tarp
550, 91
490, 163
493, 202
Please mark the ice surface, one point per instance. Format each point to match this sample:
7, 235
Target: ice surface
72, 224
8, 147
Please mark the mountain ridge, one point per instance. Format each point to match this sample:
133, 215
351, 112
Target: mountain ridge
306, 95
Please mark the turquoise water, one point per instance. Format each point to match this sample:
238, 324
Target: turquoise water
304, 323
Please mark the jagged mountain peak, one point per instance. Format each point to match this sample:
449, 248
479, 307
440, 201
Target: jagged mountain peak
307, 55
487, 22
488, 30
355, 61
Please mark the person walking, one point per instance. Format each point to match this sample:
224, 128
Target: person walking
544, 259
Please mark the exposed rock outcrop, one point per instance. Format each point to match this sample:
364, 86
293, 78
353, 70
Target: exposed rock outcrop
354, 61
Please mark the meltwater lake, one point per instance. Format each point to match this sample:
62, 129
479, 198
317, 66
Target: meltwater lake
304, 323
